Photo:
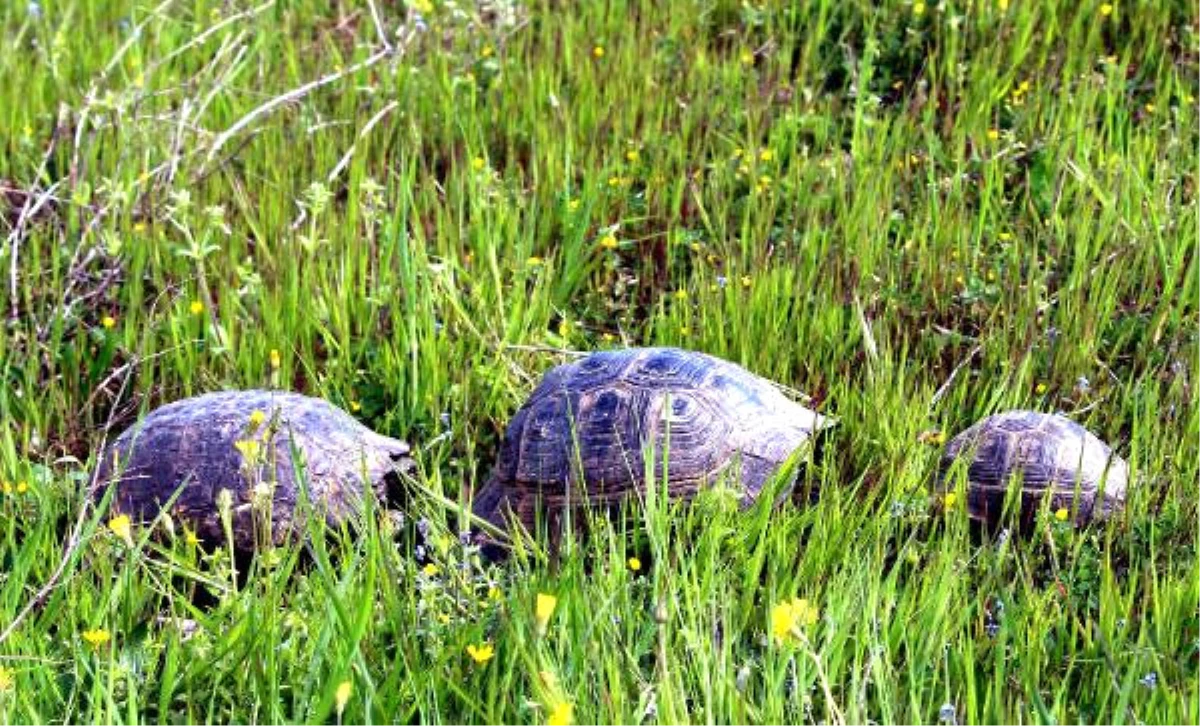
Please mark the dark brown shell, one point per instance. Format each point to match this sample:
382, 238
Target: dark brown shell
1050, 454
583, 434
191, 446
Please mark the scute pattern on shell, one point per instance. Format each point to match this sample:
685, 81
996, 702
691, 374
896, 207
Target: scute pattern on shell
1050, 453
191, 446
583, 434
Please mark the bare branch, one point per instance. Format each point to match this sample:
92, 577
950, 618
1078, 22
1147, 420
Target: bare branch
290, 97
945, 387
379, 30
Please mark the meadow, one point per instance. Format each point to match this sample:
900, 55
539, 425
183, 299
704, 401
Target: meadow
914, 213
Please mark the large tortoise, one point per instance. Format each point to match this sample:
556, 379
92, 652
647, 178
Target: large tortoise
1049, 454
583, 434
242, 441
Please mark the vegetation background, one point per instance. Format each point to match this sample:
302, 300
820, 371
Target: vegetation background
917, 213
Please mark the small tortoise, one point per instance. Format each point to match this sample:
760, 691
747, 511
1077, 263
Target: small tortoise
582, 435
1050, 454
241, 441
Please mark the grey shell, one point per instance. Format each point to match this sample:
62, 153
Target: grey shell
1050, 454
191, 447
583, 434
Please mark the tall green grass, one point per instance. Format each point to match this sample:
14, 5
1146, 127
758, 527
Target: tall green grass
852, 199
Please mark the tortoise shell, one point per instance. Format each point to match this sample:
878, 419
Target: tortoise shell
1050, 454
242, 441
583, 436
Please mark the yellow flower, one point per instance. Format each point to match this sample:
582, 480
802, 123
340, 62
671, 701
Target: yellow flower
738, 152
478, 163
573, 205
782, 621
1041, 388
487, 51
535, 261
274, 358
562, 714
6, 487
933, 437
7, 680
632, 156
789, 618
1003, 4
355, 406
430, 569
342, 695
196, 307
993, 134
190, 538
685, 331
481, 653
544, 609
681, 294
918, 8
97, 638
598, 51
108, 321
256, 418
1005, 236
746, 281
443, 618
950, 499
634, 564
1149, 108
249, 448
609, 242
494, 593
423, 7
747, 58
122, 527
766, 155
22, 487
139, 227
1106, 9
1062, 514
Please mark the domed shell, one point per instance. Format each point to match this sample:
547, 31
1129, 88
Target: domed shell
1050, 454
583, 434
242, 441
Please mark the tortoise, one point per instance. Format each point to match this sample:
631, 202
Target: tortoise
1049, 454
582, 436
242, 441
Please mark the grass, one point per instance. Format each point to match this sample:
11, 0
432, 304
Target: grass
853, 200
